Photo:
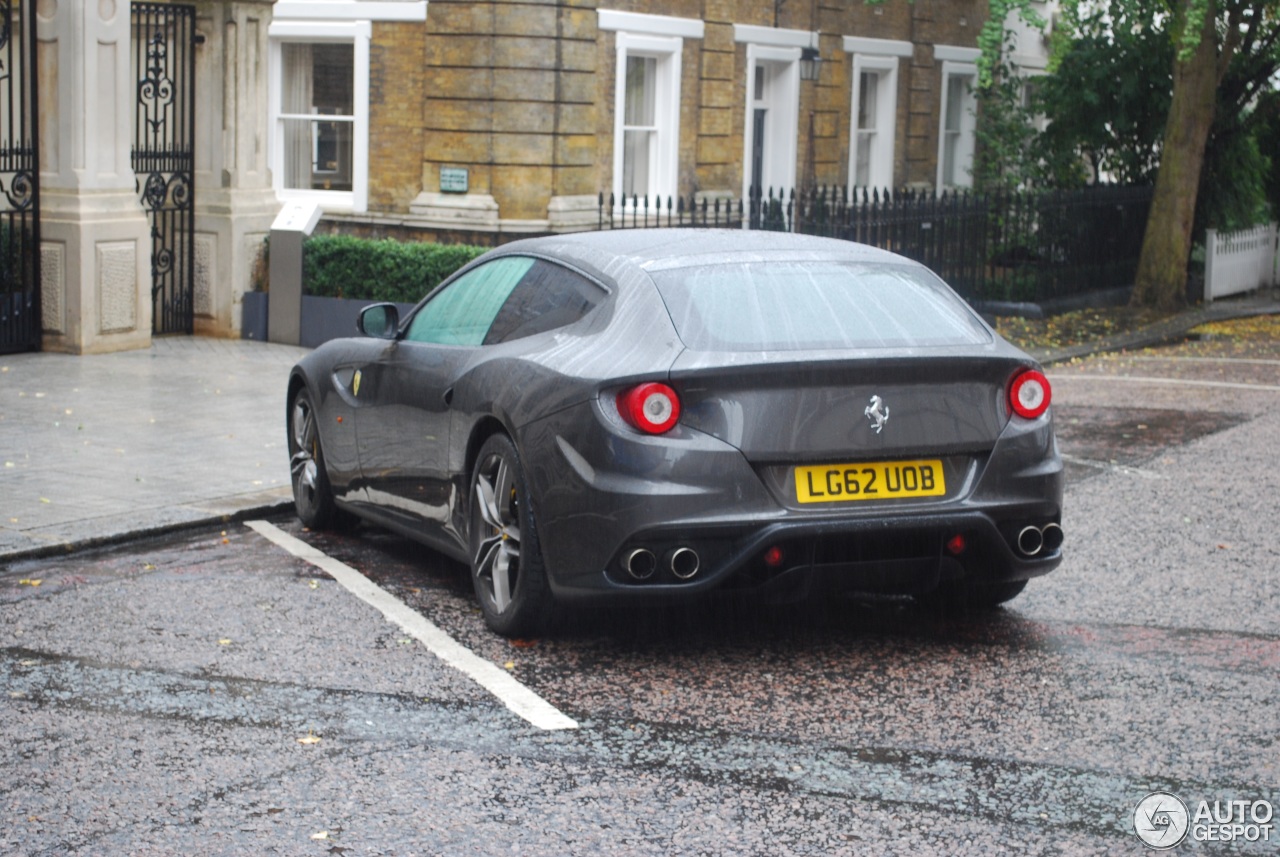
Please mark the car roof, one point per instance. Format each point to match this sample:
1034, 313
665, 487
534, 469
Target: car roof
665, 249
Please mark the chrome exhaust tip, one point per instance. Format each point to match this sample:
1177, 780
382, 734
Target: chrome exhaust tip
683, 562
1052, 534
1030, 541
640, 563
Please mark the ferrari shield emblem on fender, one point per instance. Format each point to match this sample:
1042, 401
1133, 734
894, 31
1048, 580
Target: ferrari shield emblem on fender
877, 412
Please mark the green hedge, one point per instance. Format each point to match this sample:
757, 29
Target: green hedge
343, 266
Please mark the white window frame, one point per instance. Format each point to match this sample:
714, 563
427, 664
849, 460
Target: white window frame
780, 49
358, 34
883, 57
662, 38
350, 10
957, 62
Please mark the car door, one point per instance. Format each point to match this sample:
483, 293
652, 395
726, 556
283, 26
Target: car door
405, 395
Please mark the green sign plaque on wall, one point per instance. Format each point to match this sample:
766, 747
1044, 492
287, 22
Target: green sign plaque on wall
453, 180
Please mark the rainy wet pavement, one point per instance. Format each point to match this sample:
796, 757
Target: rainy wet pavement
211, 694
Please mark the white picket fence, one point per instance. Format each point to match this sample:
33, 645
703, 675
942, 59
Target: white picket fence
1241, 261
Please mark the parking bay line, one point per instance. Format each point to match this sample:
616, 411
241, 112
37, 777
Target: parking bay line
511, 693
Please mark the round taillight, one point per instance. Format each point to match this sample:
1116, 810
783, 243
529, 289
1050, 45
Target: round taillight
653, 408
1029, 394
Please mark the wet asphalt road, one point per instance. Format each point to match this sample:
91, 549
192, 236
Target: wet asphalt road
167, 697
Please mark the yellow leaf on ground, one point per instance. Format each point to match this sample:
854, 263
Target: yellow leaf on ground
324, 834
310, 739
29, 582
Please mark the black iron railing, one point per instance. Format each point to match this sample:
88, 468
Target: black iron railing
1002, 245
20, 292
164, 45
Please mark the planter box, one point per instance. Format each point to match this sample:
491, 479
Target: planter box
333, 318
322, 318
253, 316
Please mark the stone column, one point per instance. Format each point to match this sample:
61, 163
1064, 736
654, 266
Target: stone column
96, 242
235, 203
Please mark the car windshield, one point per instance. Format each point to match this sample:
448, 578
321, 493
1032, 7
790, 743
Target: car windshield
803, 305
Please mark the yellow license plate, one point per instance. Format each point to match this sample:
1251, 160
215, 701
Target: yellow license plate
878, 480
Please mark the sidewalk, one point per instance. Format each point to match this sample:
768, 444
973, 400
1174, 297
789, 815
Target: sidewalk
95, 448
98, 448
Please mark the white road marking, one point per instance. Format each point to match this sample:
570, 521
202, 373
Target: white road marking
1182, 382
491, 677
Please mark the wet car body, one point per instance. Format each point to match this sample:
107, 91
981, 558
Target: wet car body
891, 465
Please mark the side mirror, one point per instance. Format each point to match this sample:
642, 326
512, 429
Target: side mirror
381, 321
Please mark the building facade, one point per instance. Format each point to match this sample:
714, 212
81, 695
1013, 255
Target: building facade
465, 120
486, 120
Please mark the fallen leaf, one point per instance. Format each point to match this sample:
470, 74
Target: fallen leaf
314, 584
324, 834
148, 567
310, 739
45, 500
510, 665
26, 581
224, 642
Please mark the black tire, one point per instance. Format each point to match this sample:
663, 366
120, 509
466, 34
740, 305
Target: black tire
965, 597
312, 494
507, 570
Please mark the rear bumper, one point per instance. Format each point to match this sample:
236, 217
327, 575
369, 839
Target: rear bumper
602, 493
886, 554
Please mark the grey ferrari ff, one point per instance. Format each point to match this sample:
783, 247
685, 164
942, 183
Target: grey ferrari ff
660, 413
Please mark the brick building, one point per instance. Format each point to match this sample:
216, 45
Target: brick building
492, 119
462, 120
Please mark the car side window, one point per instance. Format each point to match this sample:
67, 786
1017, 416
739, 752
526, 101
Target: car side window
464, 311
547, 297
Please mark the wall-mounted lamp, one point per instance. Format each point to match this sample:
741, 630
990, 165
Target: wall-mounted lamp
810, 63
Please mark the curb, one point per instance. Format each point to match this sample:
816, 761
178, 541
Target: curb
70, 547
1159, 333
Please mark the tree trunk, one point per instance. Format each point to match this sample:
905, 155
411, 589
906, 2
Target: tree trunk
1161, 280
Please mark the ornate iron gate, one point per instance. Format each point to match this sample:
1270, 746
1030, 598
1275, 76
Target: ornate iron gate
164, 62
20, 323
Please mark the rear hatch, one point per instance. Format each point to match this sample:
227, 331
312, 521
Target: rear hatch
821, 428
846, 374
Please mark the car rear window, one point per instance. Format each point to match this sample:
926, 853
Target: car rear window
803, 305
